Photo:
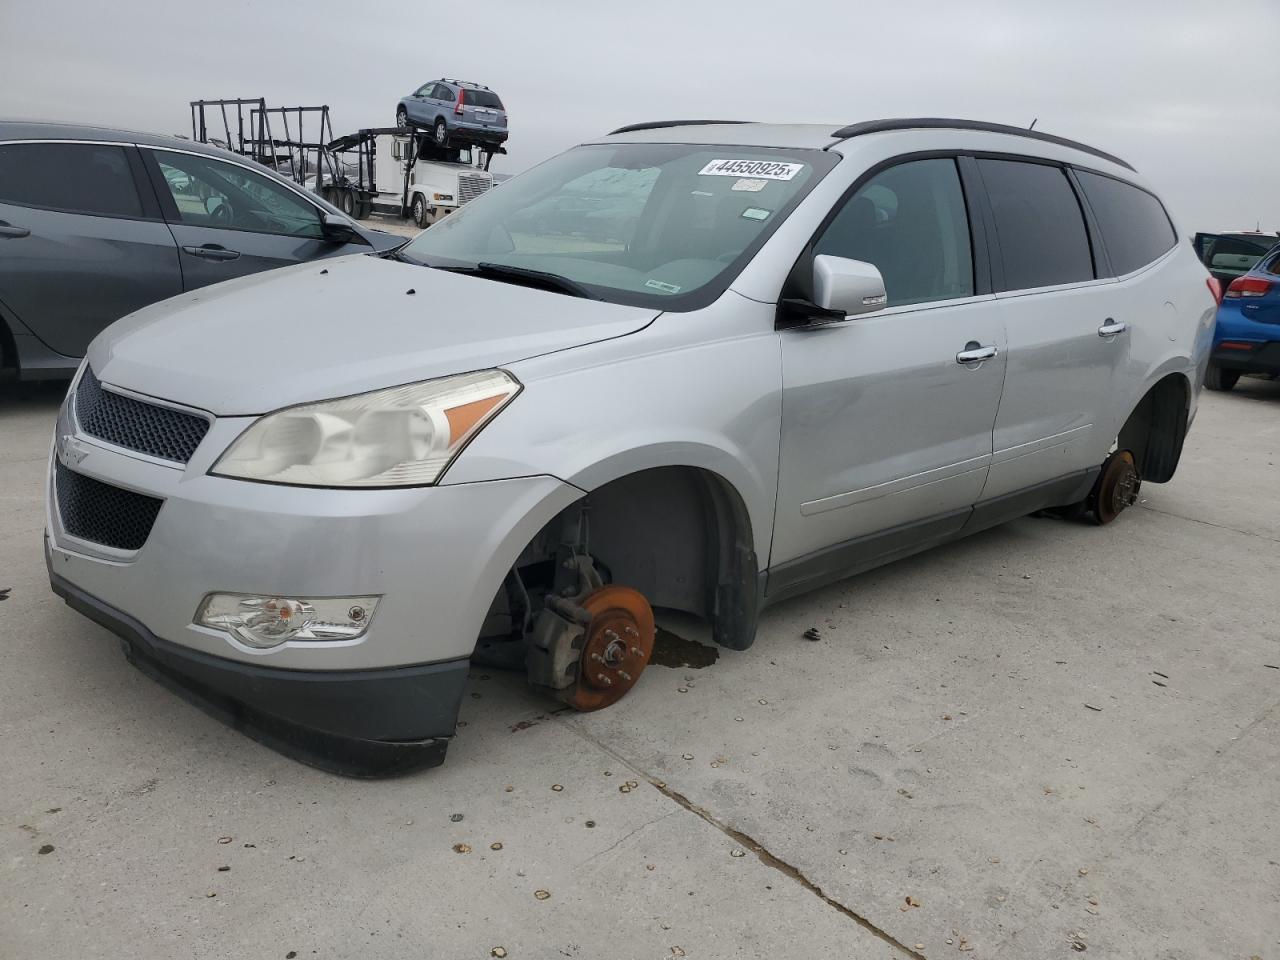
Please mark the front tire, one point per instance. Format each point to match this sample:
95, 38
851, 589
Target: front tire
402, 117
1216, 378
419, 210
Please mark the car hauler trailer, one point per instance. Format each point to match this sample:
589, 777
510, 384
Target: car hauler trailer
403, 172
265, 134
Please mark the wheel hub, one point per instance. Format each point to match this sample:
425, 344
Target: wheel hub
618, 644
1117, 487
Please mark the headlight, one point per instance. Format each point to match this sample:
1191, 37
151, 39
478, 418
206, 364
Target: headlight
401, 437
265, 622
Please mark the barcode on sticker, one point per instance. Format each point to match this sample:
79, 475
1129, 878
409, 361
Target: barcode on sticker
762, 169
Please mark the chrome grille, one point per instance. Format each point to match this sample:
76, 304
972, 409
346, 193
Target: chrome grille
158, 431
100, 513
470, 187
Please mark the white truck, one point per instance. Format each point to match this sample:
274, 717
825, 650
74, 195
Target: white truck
404, 173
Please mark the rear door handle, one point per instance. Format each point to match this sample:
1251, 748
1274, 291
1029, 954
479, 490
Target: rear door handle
13, 233
212, 251
974, 352
1112, 327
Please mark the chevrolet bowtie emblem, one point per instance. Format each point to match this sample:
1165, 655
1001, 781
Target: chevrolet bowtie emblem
70, 451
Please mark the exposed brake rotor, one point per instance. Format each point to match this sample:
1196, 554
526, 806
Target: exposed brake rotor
618, 643
1117, 487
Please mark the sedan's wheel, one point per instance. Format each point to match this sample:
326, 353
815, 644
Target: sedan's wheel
402, 118
420, 211
1216, 378
618, 644
441, 132
1117, 487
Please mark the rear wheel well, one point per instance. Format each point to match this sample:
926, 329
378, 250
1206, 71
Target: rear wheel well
1156, 429
679, 535
8, 348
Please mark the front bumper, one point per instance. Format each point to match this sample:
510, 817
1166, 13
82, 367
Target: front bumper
362, 723
434, 556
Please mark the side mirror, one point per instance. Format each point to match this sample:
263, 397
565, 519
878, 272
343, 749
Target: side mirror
337, 229
851, 287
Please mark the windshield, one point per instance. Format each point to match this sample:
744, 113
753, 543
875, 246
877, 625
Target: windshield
666, 225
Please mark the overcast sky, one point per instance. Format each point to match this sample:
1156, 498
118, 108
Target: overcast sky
1180, 89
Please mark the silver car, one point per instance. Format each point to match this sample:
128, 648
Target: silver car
311, 499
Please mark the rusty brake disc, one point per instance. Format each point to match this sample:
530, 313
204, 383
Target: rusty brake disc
619, 642
1117, 488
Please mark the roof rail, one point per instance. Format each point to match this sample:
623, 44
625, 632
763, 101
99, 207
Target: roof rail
934, 123
660, 124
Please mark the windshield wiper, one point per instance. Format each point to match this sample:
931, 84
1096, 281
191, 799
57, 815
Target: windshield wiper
503, 271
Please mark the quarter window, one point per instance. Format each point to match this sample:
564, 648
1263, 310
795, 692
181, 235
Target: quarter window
92, 178
210, 193
910, 221
1043, 240
1135, 228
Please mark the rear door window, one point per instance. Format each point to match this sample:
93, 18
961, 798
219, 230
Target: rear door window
92, 178
911, 222
1043, 240
1135, 228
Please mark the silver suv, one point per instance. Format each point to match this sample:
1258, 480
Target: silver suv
726, 363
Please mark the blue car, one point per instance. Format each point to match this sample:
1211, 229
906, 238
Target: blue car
1247, 338
455, 110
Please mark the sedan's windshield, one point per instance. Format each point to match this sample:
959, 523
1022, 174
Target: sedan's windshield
667, 225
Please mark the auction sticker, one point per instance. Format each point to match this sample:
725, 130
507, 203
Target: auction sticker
760, 169
750, 185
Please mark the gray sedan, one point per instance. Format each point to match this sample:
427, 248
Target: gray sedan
96, 223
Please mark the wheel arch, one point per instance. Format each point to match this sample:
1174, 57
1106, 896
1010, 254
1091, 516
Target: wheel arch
1157, 427
680, 534
9, 358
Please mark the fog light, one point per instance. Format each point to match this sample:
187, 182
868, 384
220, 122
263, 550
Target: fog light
265, 622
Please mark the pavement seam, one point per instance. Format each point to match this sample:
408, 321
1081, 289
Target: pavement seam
762, 853
1209, 523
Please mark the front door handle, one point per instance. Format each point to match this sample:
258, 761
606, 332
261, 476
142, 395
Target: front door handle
974, 352
1111, 328
212, 251
13, 233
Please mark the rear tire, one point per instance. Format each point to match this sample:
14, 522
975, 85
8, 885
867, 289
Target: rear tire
363, 209
348, 203
1216, 378
440, 132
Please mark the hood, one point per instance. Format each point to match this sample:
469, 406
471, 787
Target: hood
337, 327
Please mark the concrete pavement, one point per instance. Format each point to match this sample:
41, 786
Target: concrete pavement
1046, 739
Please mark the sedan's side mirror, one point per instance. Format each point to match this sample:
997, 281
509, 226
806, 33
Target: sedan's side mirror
337, 229
851, 287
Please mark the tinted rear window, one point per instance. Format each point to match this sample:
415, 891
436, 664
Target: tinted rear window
483, 98
76, 177
1135, 228
1041, 229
